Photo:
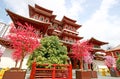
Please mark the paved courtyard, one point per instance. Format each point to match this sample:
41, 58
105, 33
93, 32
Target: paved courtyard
107, 77
100, 65
99, 77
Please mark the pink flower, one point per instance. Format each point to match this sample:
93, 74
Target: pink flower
24, 40
88, 59
81, 49
110, 61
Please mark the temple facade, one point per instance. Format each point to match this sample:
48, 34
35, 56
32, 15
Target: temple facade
45, 24
97, 44
114, 52
97, 51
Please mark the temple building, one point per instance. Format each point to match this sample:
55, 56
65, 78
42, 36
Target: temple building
45, 24
97, 51
97, 45
114, 52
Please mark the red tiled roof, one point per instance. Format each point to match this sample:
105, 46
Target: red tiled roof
117, 48
44, 9
42, 26
95, 41
66, 18
39, 11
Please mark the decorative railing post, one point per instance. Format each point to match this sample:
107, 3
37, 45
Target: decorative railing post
70, 71
33, 71
53, 73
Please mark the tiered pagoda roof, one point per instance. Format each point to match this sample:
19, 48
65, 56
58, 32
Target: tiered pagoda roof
68, 19
97, 42
117, 48
97, 45
44, 9
41, 11
42, 26
71, 22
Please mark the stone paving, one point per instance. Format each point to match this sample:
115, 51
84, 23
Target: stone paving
107, 77
99, 77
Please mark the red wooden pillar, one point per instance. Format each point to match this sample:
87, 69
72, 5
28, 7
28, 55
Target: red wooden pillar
33, 71
53, 73
70, 71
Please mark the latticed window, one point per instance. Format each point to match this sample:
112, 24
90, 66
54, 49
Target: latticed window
66, 26
36, 17
55, 26
41, 18
46, 20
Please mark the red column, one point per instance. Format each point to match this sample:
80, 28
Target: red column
70, 71
33, 70
53, 73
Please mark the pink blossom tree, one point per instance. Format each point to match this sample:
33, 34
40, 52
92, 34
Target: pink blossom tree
110, 61
81, 50
88, 59
24, 40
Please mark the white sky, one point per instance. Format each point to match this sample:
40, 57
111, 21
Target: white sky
99, 18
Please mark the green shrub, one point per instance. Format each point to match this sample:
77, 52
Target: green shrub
52, 51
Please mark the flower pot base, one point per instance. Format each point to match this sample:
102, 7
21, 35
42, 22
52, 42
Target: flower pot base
14, 74
94, 74
83, 74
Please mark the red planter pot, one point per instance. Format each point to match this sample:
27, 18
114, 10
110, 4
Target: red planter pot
83, 74
114, 72
14, 74
94, 74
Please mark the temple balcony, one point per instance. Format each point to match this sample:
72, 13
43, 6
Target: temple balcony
70, 31
56, 32
65, 33
67, 42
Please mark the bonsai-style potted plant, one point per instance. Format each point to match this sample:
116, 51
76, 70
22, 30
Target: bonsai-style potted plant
52, 52
111, 64
81, 51
24, 40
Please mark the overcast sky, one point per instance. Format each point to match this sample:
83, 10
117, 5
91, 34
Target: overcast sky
99, 18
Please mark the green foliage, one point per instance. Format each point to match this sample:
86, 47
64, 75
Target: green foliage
118, 63
51, 51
